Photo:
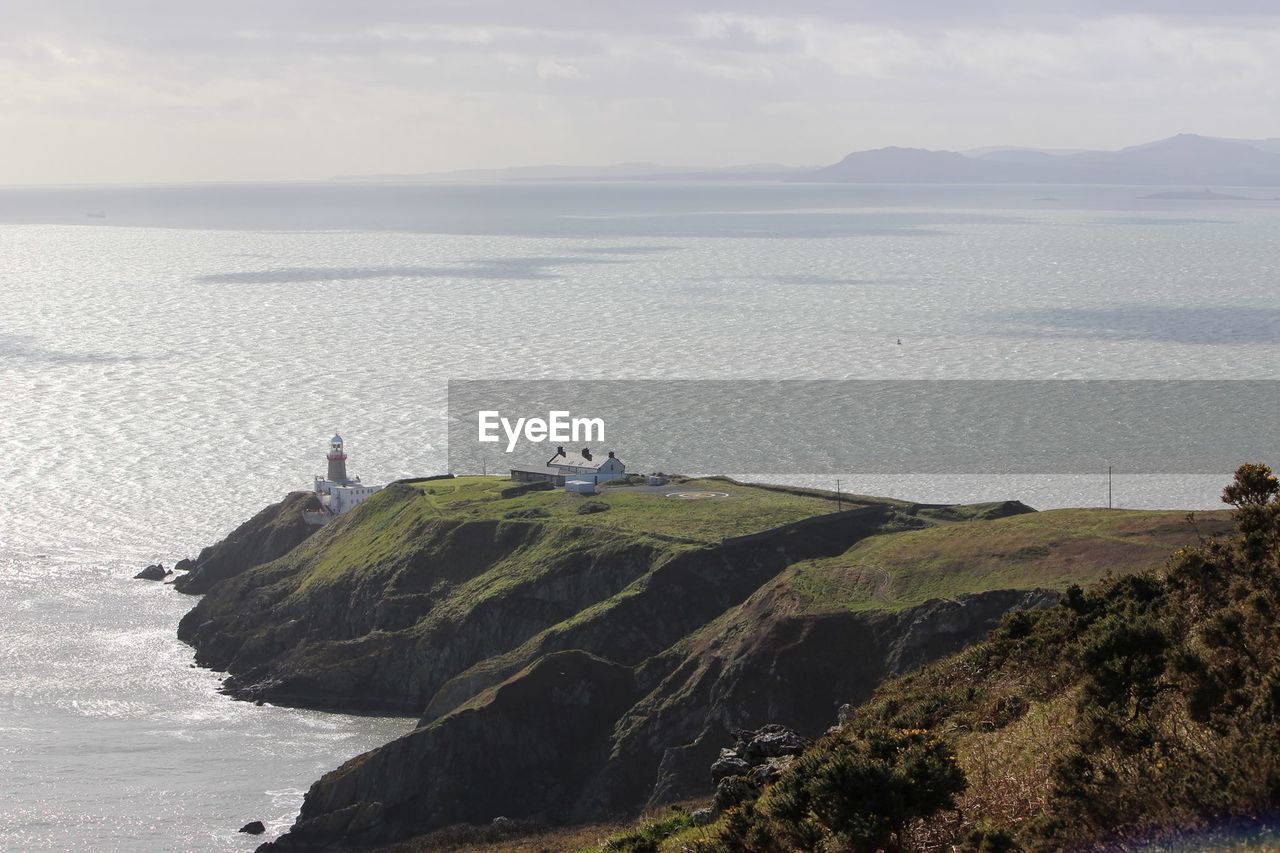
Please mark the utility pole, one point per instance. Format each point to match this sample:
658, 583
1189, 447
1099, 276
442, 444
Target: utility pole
838, 496
1108, 487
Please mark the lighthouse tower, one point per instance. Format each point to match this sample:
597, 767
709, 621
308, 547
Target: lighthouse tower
337, 492
337, 461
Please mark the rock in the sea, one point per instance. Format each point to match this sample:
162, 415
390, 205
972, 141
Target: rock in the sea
253, 827
152, 573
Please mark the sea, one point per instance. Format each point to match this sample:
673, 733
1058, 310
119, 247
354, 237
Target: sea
173, 358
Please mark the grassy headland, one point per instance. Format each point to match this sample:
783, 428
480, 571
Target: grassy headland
615, 651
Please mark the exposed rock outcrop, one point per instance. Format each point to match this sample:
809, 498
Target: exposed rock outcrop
756, 759
155, 572
271, 533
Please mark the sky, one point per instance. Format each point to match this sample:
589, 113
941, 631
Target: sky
125, 91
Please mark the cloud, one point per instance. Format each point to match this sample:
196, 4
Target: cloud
549, 69
310, 88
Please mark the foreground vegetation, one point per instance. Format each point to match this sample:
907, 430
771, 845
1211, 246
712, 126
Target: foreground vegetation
1140, 704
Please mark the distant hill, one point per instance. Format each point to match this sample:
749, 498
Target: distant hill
1199, 195
1186, 159
908, 165
611, 172
1183, 159
549, 172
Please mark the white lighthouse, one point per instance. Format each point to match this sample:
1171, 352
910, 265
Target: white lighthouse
338, 493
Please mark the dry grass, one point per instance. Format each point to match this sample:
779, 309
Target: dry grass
536, 838
1008, 771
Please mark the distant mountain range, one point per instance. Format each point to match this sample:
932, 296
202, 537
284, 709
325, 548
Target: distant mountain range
1183, 160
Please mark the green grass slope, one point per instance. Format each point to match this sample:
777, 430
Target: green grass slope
743, 509
1051, 550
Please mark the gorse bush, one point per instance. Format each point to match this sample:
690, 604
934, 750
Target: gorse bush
851, 793
1144, 703
862, 792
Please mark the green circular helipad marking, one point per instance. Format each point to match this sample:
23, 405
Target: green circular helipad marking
697, 496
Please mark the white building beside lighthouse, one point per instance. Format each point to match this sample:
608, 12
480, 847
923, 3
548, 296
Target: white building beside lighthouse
339, 493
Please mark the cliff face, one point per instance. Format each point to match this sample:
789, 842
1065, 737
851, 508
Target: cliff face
574, 737
393, 621
522, 748
763, 662
271, 533
676, 598
384, 610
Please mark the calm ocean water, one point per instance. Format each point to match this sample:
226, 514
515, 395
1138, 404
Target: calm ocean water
170, 367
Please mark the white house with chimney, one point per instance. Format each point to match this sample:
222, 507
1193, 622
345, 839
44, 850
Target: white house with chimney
582, 467
337, 492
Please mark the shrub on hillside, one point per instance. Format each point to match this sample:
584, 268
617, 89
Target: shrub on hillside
853, 793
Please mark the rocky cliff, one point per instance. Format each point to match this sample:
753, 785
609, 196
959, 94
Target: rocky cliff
272, 533
350, 620
574, 737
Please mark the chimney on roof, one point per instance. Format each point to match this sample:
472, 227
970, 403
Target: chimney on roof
586, 453
559, 453
610, 454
